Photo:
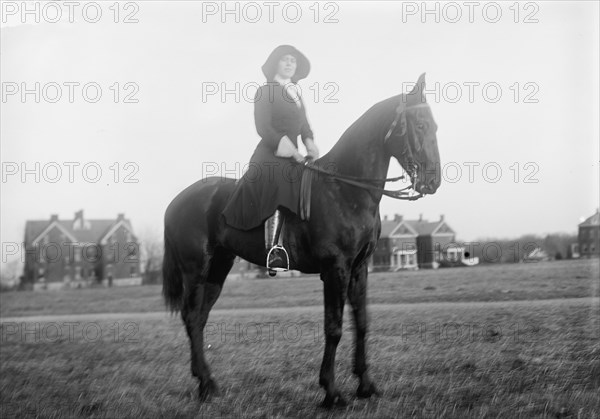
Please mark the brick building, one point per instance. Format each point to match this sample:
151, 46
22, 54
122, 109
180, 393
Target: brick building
588, 237
412, 244
80, 253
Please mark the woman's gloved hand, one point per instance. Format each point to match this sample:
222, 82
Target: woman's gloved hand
287, 149
311, 149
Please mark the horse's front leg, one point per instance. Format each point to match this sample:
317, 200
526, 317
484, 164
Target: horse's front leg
335, 286
357, 294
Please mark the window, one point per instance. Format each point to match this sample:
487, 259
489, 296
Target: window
132, 251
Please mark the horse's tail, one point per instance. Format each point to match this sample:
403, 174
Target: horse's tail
172, 277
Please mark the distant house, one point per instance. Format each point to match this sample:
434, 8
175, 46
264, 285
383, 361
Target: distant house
573, 251
433, 241
397, 246
412, 244
80, 253
537, 255
589, 237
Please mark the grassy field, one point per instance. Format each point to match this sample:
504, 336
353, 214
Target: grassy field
527, 281
501, 341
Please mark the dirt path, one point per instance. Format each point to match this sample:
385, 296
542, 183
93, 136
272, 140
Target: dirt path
588, 301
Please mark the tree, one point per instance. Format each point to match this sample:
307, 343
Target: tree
152, 252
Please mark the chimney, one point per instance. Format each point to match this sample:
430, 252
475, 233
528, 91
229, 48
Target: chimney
398, 218
420, 217
441, 218
54, 217
78, 223
120, 216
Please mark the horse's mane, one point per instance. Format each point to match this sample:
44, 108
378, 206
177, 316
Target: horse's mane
370, 124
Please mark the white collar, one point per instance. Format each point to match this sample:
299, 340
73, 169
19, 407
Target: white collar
281, 80
290, 88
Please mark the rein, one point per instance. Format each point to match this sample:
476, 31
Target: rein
404, 193
359, 182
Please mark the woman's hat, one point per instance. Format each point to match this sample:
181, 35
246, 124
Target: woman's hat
269, 68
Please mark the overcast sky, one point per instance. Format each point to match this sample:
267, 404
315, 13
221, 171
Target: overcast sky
513, 88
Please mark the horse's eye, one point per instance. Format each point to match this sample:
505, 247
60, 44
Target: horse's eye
420, 126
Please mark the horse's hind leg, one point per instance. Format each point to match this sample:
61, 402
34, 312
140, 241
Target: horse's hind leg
205, 285
357, 295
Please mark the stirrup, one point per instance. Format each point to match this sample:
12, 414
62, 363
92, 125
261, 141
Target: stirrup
278, 269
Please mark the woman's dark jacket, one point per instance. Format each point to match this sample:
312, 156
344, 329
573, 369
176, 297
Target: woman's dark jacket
270, 181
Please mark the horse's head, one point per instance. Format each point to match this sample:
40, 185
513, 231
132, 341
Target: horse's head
412, 140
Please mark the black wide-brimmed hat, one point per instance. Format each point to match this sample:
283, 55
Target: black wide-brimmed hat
269, 68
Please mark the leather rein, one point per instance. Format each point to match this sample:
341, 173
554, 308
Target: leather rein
404, 193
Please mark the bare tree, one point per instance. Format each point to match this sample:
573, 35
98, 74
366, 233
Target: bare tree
9, 274
152, 251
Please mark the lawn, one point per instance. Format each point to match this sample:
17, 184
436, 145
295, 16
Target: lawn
526, 281
501, 341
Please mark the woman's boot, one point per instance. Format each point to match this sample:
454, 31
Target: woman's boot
277, 257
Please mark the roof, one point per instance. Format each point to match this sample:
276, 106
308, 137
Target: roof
418, 227
423, 227
97, 229
387, 226
594, 220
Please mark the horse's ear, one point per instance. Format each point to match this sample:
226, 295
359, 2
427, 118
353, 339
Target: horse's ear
416, 95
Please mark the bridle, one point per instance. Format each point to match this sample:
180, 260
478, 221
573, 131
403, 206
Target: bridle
406, 193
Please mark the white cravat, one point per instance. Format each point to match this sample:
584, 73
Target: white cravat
290, 88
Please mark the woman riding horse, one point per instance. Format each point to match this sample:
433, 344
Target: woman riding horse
335, 242
270, 188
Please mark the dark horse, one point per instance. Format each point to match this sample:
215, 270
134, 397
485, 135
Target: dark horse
336, 241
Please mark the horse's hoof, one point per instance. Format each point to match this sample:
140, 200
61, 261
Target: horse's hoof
207, 390
366, 391
335, 400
